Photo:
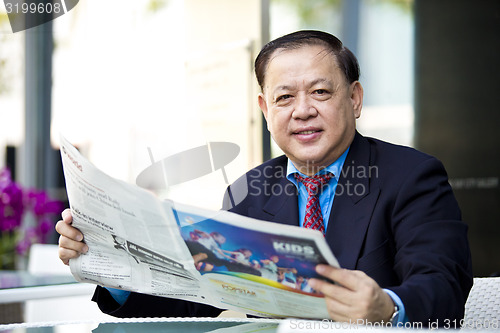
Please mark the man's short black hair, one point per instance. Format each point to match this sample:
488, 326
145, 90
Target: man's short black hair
345, 58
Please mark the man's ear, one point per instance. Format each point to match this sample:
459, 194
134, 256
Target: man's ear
357, 98
263, 104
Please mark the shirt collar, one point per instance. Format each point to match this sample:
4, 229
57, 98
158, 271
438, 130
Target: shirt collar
335, 168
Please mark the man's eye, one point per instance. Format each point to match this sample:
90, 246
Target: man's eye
283, 98
320, 91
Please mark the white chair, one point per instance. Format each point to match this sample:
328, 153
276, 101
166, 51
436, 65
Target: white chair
483, 305
44, 260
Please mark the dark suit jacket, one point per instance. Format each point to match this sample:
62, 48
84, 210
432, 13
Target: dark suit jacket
394, 217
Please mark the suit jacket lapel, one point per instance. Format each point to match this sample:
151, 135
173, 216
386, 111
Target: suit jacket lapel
352, 206
282, 208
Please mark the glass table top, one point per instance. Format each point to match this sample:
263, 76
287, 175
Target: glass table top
193, 325
23, 279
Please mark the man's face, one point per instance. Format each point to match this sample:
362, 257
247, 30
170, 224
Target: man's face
310, 108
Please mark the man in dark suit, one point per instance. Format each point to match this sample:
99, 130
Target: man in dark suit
387, 212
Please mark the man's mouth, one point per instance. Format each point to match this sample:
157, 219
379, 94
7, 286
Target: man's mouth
306, 132
308, 135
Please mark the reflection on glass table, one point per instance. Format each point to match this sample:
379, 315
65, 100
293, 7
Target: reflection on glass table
20, 286
192, 325
19, 279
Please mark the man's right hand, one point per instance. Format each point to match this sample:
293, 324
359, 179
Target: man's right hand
71, 243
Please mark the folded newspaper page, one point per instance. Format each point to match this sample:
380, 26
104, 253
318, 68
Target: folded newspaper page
140, 243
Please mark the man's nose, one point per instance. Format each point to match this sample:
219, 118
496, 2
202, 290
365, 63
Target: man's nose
304, 108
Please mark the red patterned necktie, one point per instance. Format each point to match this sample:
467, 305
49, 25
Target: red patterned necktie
313, 218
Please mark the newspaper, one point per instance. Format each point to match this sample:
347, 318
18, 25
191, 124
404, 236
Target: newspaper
140, 243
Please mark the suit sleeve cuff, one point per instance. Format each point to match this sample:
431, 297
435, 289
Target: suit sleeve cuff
402, 318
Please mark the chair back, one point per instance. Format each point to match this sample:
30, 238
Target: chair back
44, 259
482, 309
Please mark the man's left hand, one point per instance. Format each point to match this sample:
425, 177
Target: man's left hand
355, 297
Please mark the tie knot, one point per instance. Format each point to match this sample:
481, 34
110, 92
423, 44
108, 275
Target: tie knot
314, 184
